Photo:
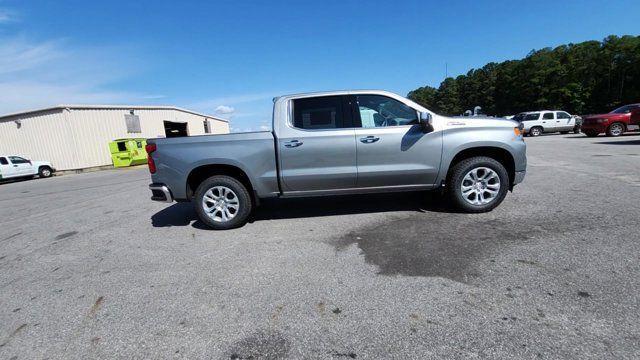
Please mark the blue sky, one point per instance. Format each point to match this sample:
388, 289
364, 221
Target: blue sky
229, 58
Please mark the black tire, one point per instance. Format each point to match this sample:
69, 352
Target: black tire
590, 133
239, 190
536, 131
461, 169
616, 129
45, 172
576, 130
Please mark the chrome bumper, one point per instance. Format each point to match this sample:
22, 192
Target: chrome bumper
519, 177
160, 192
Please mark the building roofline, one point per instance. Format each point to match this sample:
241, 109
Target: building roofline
123, 107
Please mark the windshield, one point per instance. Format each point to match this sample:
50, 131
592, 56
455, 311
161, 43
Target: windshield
625, 109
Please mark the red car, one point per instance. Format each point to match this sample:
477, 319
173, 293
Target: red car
615, 123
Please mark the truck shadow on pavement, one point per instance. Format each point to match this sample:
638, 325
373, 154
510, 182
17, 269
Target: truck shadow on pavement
183, 214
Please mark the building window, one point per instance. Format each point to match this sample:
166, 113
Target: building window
207, 127
133, 123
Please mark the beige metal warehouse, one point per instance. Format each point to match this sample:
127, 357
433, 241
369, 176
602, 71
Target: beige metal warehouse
77, 136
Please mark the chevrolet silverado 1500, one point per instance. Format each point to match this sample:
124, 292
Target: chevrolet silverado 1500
340, 142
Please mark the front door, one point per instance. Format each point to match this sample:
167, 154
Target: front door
564, 121
392, 149
21, 166
317, 148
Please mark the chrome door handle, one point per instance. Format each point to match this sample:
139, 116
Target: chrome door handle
369, 139
292, 143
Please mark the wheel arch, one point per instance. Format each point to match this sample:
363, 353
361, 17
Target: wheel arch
200, 173
497, 153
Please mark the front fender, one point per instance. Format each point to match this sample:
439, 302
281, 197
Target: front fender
456, 140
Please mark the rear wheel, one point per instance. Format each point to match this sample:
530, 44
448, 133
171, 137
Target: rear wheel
222, 202
615, 129
45, 172
535, 131
477, 184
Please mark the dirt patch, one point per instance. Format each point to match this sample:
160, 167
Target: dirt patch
265, 345
420, 245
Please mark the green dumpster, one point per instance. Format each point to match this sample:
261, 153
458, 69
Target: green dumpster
128, 152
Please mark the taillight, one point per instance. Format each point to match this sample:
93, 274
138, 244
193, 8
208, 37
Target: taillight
150, 149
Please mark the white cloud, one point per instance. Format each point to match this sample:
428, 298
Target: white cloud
40, 74
265, 127
223, 109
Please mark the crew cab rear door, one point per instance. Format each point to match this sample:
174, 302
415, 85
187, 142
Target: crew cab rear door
392, 149
316, 147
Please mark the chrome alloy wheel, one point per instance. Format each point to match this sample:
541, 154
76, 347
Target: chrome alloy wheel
480, 186
220, 203
616, 129
46, 172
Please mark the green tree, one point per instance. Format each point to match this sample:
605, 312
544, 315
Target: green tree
588, 77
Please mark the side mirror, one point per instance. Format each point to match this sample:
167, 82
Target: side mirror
426, 121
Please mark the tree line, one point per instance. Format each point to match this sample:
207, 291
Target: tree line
584, 78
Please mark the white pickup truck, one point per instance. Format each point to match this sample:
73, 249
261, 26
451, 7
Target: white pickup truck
12, 166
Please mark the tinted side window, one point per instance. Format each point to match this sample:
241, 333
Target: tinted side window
382, 111
18, 160
533, 116
318, 113
547, 116
3, 161
562, 115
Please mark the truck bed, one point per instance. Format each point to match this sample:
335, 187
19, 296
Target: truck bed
251, 152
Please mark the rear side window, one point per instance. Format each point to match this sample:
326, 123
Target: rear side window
562, 115
547, 116
319, 113
533, 116
3, 161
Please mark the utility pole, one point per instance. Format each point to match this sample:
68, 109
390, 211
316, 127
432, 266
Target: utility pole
446, 70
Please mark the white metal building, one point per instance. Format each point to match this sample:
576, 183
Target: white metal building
77, 136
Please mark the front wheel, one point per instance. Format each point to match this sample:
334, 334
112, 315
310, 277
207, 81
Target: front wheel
222, 202
45, 172
477, 184
615, 129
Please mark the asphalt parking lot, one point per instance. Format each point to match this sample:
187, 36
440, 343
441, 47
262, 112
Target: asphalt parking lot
91, 268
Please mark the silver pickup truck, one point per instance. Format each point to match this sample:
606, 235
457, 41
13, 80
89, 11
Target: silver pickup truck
340, 142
